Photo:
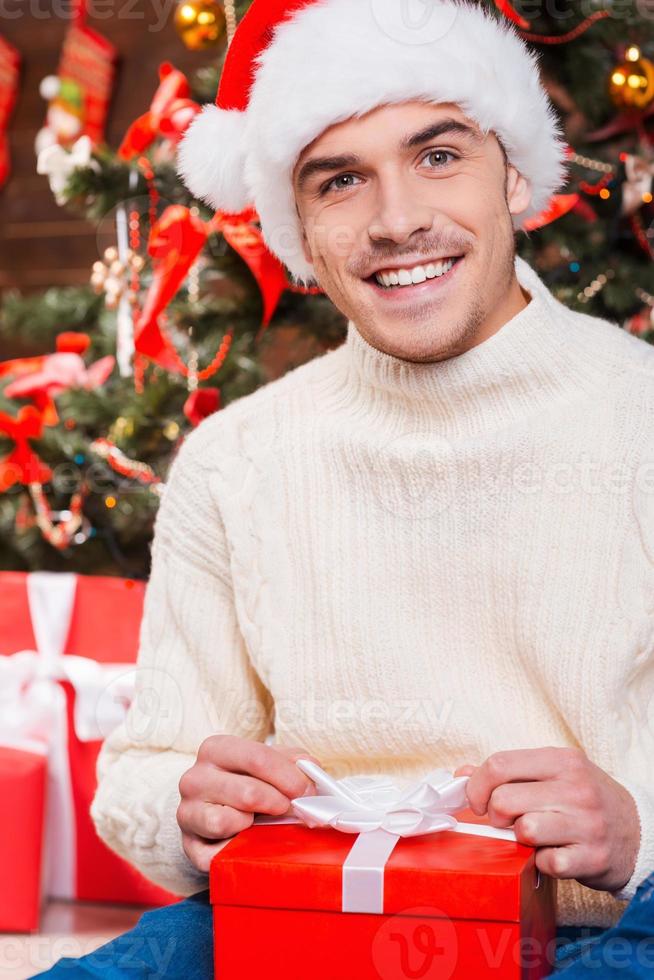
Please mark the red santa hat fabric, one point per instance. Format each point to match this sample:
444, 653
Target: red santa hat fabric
296, 67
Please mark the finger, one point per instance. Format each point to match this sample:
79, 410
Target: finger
212, 785
296, 752
514, 765
200, 852
212, 821
255, 759
538, 829
510, 800
570, 861
464, 770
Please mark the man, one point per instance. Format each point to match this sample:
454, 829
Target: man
433, 546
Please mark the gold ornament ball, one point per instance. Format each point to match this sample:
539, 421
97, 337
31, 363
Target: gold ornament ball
631, 85
200, 23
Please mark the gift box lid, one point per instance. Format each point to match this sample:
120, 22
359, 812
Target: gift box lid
290, 866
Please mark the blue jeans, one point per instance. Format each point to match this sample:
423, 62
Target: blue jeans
177, 941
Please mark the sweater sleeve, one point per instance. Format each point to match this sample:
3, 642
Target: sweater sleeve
644, 867
194, 677
634, 721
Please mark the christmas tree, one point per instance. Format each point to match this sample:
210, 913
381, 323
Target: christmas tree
187, 311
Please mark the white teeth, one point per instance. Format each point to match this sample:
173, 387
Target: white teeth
418, 274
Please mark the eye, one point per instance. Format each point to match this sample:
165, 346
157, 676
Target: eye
441, 153
326, 187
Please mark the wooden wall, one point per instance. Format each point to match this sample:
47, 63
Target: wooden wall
41, 244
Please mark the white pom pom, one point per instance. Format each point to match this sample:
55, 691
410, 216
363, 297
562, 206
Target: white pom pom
50, 87
211, 158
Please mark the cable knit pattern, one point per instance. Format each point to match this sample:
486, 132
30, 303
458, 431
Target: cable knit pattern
401, 566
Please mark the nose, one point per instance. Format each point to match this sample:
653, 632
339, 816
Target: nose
399, 213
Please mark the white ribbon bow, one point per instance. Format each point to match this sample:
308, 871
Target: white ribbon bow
358, 804
33, 711
380, 812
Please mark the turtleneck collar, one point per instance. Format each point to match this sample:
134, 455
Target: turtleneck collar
536, 358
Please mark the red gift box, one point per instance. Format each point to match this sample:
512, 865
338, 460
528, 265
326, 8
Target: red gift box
100, 617
22, 788
455, 906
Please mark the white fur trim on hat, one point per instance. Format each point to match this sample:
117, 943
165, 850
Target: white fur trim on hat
211, 158
336, 59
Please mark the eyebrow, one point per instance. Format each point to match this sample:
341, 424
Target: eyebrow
319, 165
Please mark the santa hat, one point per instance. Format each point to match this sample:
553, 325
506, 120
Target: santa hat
296, 67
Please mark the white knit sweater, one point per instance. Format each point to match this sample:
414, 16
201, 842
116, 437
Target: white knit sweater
401, 566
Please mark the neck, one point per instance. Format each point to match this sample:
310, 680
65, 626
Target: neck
515, 300
538, 357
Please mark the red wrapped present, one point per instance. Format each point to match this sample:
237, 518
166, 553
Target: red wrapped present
22, 788
67, 681
416, 893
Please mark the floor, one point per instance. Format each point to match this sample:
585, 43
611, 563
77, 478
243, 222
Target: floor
67, 929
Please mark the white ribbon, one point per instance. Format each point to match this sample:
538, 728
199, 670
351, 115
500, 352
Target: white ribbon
33, 712
380, 812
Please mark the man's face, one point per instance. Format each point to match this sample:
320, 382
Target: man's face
406, 198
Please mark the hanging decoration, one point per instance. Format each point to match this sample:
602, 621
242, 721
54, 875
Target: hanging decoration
65, 527
9, 76
111, 276
200, 24
43, 377
22, 465
571, 35
57, 164
596, 286
201, 403
631, 85
638, 186
243, 233
78, 95
59, 372
122, 464
512, 14
171, 112
175, 242
631, 88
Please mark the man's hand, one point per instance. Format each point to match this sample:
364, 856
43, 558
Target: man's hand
584, 823
231, 780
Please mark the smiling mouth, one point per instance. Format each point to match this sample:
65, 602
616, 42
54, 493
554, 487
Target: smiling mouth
421, 276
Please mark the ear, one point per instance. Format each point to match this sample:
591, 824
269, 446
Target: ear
518, 191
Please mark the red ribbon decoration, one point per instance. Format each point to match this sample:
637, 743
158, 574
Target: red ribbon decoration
69, 341
175, 242
22, 465
512, 14
170, 114
241, 232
